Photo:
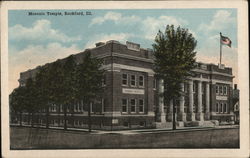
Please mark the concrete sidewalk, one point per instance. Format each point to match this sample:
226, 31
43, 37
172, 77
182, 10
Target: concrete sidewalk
179, 129
138, 131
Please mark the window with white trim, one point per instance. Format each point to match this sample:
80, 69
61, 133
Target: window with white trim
194, 87
132, 81
221, 107
221, 90
102, 109
141, 105
225, 90
104, 80
91, 107
124, 79
141, 81
217, 107
217, 90
61, 108
81, 103
133, 105
225, 107
53, 109
75, 107
78, 107
154, 83
124, 105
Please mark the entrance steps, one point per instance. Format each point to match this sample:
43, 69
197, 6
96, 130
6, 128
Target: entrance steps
210, 123
164, 125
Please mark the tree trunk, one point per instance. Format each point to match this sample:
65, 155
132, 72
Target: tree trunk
174, 111
47, 117
72, 114
20, 115
29, 118
65, 117
89, 117
32, 119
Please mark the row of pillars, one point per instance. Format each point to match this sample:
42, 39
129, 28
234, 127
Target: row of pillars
181, 115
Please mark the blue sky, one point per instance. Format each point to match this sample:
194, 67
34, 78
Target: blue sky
36, 40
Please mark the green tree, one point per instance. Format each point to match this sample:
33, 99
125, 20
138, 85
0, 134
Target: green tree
69, 83
56, 87
89, 82
174, 59
17, 102
31, 99
42, 83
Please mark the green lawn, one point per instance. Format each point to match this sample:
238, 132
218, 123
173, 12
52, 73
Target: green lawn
32, 138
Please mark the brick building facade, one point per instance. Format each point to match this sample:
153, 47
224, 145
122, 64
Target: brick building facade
130, 99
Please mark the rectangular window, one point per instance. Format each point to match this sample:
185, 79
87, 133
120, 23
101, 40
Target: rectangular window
53, 108
225, 90
91, 107
141, 105
82, 105
141, 81
194, 87
102, 106
154, 84
104, 80
78, 107
133, 105
217, 90
221, 108
61, 109
124, 79
132, 80
75, 108
185, 87
124, 105
225, 107
221, 90
217, 107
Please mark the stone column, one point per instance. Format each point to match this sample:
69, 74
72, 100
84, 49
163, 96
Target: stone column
182, 114
170, 112
207, 115
199, 114
161, 101
191, 115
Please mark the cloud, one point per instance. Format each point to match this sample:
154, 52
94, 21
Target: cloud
152, 25
34, 55
121, 37
117, 18
41, 30
148, 27
221, 20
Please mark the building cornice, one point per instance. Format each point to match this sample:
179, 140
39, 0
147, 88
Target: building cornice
212, 72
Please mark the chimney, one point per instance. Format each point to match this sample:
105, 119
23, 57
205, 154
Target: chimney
235, 86
99, 44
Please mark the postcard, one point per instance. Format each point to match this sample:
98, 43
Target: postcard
125, 79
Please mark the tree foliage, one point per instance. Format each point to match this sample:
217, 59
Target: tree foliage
174, 58
62, 82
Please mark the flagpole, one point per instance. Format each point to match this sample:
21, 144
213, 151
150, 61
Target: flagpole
220, 49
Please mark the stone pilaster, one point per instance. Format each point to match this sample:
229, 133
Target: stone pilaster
161, 101
207, 114
191, 115
182, 115
199, 114
170, 112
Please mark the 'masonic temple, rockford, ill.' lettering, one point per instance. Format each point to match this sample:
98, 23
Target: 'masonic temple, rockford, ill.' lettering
130, 99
